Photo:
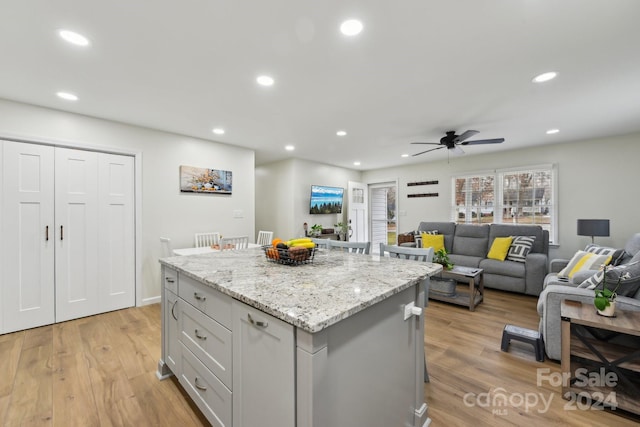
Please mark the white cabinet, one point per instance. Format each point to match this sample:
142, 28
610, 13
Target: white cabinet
67, 234
170, 319
263, 369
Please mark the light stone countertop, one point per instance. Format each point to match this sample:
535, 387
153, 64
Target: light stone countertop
313, 296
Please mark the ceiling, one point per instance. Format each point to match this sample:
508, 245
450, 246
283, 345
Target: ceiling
419, 68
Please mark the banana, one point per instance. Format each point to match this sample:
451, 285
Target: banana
308, 245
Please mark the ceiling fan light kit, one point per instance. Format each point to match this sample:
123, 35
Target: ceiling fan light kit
452, 142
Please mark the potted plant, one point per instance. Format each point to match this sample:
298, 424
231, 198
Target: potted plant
316, 230
441, 257
605, 298
342, 229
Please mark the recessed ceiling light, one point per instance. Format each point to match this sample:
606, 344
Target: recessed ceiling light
552, 131
405, 155
289, 148
341, 133
218, 131
74, 38
544, 77
265, 81
351, 27
356, 163
67, 96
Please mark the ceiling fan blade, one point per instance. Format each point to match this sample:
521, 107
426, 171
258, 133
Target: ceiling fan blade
456, 151
468, 134
483, 141
422, 152
428, 143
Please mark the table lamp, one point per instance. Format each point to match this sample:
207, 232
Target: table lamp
593, 227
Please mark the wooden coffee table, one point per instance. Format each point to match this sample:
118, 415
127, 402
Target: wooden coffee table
470, 298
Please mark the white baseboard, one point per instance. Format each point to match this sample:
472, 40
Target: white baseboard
152, 300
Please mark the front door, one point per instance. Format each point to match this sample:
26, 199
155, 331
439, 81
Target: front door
358, 229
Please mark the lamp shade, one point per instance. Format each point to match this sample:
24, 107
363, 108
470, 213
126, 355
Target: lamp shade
593, 227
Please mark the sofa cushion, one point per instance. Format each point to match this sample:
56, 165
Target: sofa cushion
520, 247
466, 260
445, 228
628, 274
584, 261
435, 241
471, 240
503, 268
540, 245
499, 248
616, 254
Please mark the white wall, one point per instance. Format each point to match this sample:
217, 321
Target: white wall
597, 179
283, 191
165, 211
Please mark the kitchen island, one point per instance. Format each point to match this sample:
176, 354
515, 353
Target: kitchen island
334, 342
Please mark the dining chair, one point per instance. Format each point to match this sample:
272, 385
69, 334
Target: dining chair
352, 247
165, 246
234, 243
322, 243
264, 238
207, 239
415, 254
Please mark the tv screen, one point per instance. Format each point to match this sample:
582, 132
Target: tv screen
326, 200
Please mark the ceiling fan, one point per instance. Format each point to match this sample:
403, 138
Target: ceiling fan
451, 141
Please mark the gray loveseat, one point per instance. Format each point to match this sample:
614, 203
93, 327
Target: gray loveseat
556, 290
468, 246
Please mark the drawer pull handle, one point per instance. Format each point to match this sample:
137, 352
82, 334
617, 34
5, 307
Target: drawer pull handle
198, 386
173, 307
199, 297
259, 323
169, 279
200, 337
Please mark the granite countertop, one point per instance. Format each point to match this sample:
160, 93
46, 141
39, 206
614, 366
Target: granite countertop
310, 296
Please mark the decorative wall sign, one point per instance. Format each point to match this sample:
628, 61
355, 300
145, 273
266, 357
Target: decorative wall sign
423, 195
204, 180
411, 184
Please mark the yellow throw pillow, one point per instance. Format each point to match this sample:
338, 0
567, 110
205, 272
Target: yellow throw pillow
435, 241
500, 248
584, 261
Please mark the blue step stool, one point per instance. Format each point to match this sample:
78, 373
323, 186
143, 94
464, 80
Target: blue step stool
512, 332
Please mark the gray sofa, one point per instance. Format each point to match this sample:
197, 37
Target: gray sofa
468, 246
557, 290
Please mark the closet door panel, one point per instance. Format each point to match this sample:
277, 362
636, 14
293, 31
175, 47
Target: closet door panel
27, 243
116, 234
76, 233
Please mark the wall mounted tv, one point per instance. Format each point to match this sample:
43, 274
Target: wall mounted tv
326, 200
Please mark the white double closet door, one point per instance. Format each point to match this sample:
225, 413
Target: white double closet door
67, 234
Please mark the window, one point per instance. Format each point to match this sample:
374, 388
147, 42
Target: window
508, 196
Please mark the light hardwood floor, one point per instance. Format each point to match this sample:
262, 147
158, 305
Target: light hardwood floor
100, 371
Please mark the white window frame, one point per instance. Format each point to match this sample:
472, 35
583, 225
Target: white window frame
498, 191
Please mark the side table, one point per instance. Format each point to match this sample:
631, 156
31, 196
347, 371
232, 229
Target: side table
595, 370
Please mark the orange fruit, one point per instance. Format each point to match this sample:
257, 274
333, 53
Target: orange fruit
275, 242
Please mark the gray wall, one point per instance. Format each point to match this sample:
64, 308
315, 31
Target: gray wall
597, 179
283, 190
165, 211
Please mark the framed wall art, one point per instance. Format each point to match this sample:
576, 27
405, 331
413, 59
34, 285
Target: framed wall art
204, 180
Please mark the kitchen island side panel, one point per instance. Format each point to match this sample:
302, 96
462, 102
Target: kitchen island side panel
364, 370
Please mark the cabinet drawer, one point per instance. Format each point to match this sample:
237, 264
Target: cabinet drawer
208, 393
206, 299
208, 340
170, 279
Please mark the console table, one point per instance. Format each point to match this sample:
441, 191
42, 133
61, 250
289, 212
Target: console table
598, 371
